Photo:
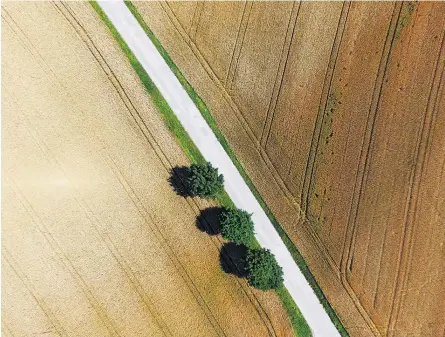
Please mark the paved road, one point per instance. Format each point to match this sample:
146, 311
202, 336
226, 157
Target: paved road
211, 149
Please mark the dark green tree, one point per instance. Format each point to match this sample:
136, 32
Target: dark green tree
263, 270
204, 181
236, 225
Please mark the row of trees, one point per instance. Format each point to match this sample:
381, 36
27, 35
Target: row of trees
236, 225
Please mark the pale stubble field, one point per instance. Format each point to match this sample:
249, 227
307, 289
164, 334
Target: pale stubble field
95, 242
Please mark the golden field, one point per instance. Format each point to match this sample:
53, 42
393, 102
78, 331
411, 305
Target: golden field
95, 241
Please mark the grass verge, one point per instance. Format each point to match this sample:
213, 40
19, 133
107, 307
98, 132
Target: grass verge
301, 329
209, 119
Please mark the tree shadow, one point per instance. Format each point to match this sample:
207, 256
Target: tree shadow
208, 220
232, 259
177, 180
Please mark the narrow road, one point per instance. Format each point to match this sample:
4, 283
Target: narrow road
202, 135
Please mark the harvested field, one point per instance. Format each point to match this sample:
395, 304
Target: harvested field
95, 242
336, 112
251, 86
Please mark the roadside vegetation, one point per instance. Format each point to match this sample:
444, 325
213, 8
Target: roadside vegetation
299, 325
263, 271
203, 180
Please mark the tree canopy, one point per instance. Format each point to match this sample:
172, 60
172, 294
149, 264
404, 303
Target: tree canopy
204, 180
236, 225
263, 270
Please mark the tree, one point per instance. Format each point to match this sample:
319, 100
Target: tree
204, 181
263, 270
236, 225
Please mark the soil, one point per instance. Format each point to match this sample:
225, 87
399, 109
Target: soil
95, 241
336, 112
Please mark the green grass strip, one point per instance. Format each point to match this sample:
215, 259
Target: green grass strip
209, 119
299, 325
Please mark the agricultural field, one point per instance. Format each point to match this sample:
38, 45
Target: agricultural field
94, 241
336, 110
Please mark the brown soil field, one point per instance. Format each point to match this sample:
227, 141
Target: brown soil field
94, 241
336, 111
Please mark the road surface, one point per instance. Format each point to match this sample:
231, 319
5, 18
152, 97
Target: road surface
202, 135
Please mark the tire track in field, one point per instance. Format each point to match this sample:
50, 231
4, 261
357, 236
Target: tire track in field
279, 77
26, 43
370, 123
161, 155
371, 231
209, 70
103, 238
122, 262
236, 53
406, 251
54, 245
193, 30
349, 244
311, 163
6, 329
7, 259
